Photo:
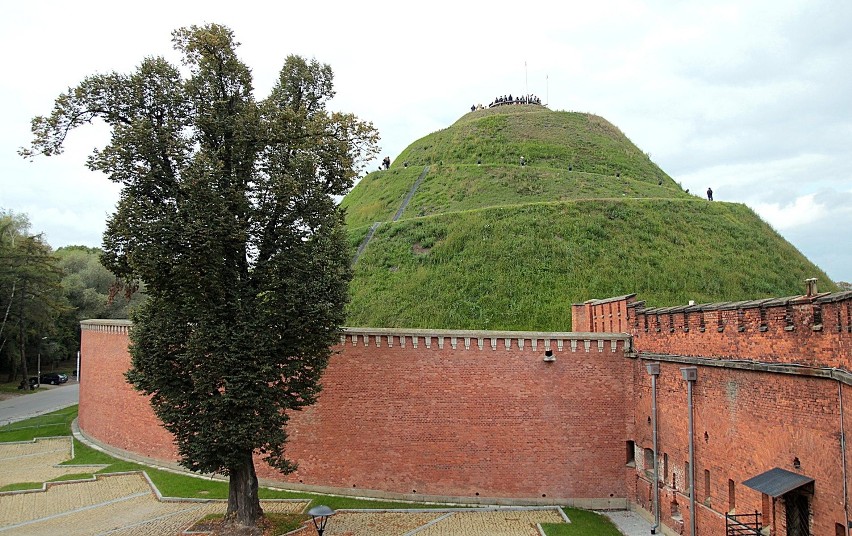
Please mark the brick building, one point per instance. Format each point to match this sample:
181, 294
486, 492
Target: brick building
566, 418
772, 377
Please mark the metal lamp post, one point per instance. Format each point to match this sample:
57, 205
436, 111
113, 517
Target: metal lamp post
320, 515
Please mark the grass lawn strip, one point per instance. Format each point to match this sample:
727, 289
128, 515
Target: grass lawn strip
175, 487
27, 465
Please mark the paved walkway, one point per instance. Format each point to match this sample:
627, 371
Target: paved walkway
518, 521
128, 504
120, 504
47, 399
630, 523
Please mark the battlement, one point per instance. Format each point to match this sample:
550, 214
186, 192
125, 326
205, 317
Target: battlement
485, 340
107, 326
814, 329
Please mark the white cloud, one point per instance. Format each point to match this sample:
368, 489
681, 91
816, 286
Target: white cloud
748, 97
801, 211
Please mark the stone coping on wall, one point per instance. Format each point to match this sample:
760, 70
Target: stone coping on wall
106, 325
836, 374
825, 297
485, 340
608, 300
455, 339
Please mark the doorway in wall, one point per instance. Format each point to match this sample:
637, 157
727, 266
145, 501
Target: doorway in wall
798, 514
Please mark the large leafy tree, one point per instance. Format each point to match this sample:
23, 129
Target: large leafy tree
89, 288
227, 216
31, 297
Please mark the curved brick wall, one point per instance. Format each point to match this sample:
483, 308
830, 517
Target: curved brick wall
465, 416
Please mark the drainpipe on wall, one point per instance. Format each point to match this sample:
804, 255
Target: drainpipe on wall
690, 375
654, 371
843, 454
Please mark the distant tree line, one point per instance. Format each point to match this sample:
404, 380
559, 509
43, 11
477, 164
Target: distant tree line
44, 294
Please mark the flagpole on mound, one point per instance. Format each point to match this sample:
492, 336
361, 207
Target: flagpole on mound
526, 79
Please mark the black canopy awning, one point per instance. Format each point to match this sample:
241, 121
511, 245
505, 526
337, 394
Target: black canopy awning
776, 482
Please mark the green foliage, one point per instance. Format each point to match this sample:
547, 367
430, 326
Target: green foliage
88, 284
227, 217
31, 299
521, 267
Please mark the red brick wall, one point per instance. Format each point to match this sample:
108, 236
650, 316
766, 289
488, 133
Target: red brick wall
481, 419
110, 410
602, 316
431, 421
754, 421
737, 334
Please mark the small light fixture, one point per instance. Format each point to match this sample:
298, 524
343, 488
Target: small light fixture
796, 463
653, 368
549, 357
320, 515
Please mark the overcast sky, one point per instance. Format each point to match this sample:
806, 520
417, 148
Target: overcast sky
751, 98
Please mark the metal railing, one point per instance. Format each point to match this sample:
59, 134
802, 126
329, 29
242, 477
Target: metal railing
743, 524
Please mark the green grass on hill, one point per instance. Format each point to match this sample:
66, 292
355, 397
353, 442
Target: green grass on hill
454, 188
378, 196
521, 267
500, 136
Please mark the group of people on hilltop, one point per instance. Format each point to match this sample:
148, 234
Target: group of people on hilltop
508, 99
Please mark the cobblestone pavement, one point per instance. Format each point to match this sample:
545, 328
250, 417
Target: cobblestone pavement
378, 523
119, 505
126, 505
502, 522
35, 461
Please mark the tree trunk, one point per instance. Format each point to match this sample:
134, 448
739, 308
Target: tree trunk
22, 334
243, 502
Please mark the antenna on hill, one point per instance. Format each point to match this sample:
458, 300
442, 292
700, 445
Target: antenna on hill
547, 95
526, 79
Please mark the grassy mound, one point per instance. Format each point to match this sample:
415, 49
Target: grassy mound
498, 245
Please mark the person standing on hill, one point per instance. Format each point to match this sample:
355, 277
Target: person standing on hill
709, 194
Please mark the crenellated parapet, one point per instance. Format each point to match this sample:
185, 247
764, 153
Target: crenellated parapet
485, 340
814, 329
107, 326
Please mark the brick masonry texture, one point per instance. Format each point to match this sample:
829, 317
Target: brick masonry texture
481, 415
460, 422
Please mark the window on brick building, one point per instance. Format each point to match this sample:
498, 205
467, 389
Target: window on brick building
649, 460
839, 530
665, 467
687, 481
707, 487
732, 496
631, 454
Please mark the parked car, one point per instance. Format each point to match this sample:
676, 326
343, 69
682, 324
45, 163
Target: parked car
53, 378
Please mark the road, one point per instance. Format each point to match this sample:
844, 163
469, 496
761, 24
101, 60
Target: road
48, 399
